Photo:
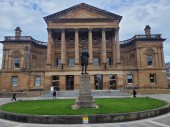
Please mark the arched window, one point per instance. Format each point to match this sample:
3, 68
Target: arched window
150, 57
16, 59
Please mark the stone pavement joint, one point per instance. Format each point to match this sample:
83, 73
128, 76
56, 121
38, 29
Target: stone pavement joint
160, 124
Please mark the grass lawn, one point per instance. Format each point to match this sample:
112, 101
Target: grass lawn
63, 106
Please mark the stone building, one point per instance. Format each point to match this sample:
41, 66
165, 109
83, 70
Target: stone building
29, 64
168, 73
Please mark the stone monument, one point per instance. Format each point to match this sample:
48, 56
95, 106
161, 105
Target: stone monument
85, 99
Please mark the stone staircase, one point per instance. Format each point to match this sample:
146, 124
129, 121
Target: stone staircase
95, 93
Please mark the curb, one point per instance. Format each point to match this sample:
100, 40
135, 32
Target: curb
78, 119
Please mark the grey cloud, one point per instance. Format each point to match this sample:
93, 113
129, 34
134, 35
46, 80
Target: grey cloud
136, 14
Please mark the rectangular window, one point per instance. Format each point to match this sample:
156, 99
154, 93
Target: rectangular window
58, 38
112, 77
149, 60
130, 78
16, 63
58, 62
107, 39
71, 38
94, 38
112, 81
83, 39
108, 61
152, 78
95, 41
14, 80
37, 81
71, 61
95, 61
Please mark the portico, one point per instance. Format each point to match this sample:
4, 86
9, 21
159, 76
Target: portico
102, 43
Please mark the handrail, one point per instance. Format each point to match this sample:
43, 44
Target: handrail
24, 38
152, 36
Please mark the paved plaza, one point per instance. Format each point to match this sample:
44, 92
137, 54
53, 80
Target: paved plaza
159, 121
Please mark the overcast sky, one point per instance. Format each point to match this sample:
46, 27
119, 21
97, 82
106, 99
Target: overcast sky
28, 15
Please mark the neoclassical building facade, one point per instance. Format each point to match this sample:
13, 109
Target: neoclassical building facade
29, 64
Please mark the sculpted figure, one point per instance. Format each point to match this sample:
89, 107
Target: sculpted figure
84, 60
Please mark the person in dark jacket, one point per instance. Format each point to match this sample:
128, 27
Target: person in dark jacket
14, 97
54, 94
134, 93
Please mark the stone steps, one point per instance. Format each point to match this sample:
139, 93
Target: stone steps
95, 93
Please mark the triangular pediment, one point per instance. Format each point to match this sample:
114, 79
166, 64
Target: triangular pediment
82, 11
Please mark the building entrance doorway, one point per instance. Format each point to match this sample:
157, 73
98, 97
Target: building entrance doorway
55, 82
69, 82
98, 82
112, 81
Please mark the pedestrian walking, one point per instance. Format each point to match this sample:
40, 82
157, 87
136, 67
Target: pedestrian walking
14, 97
134, 93
54, 94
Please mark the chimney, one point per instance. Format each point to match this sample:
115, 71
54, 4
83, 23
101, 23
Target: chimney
147, 30
18, 32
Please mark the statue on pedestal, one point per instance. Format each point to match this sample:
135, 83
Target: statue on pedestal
85, 98
84, 60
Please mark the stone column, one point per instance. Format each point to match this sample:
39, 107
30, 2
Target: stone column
103, 46
77, 59
90, 46
10, 61
117, 45
114, 50
156, 59
159, 57
53, 59
63, 49
162, 54
49, 46
6, 58
138, 57
21, 61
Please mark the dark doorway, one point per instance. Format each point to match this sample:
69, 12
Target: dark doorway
69, 82
98, 82
55, 82
112, 81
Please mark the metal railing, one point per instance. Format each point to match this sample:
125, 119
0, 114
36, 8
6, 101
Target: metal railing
138, 37
24, 38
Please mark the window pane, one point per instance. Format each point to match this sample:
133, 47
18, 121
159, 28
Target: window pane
71, 39
95, 61
130, 78
58, 61
152, 78
83, 39
71, 61
107, 38
58, 38
111, 77
149, 60
16, 63
14, 81
37, 81
108, 61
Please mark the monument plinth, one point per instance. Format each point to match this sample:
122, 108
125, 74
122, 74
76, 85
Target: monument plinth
85, 99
